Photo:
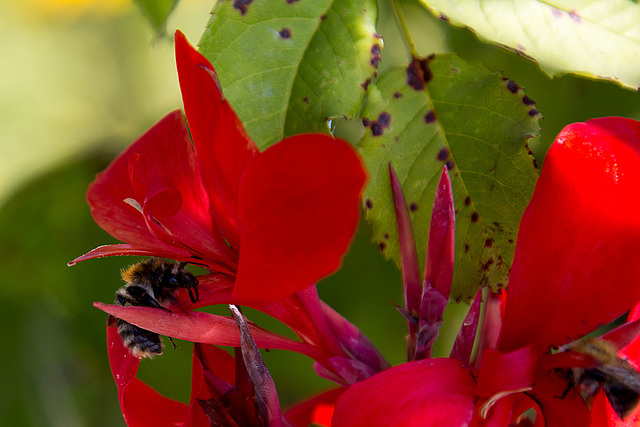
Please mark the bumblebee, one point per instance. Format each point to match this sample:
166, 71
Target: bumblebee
150, 283
617, 377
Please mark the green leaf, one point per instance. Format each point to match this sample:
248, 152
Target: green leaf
289, 66
476, 123
599, 39
157, 11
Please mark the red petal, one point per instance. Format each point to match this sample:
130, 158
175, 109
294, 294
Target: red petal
575, 265
207, 360
318, 409
202, 327
131, 250
408, 252
440, 247
141, 405
299, 203
504, 372
162, 164
224, 149
570, 411
431, 392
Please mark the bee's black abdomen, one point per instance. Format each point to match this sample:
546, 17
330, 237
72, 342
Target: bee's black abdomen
140, 342
151, 283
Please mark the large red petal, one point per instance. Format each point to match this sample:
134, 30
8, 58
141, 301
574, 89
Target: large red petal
224, 149
141, 405
431, 392
299, 203
576, 265
201, 327
160, 174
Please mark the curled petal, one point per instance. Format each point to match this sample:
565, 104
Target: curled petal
431, 392
140, 404
299, 204
575, 264
122, 249
162, 180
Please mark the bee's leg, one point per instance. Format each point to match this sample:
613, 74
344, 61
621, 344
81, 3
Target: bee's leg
194, 295
175, 347
570, 385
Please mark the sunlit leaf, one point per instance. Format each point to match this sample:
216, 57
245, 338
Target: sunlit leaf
475, 122
288, 66
599, 39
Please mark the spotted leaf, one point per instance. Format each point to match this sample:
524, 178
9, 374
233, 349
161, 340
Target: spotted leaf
287, 66
438, 111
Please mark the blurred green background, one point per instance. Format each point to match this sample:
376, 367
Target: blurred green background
82, 79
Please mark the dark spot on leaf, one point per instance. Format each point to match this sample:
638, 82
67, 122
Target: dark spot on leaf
475, 216
454, 70
500, 285
376, 129
488, 243
467, 201
285, 33
488, 264
378, 126
443, 17
430, 117
443, 154
527, 101
366, 83
242, 5
397, 95
413, 207
292, 1
533, 112
375, 55
450, 165
419, 73
513, 86
510, 241
384, 119
382, 246
521, 48
535, 164
366, 122
369, 204
377, 36
466, 248
386, 235
305, 100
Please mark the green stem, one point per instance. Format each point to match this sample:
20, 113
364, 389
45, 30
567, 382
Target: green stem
395, 4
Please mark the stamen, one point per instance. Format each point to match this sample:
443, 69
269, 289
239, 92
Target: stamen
484, 410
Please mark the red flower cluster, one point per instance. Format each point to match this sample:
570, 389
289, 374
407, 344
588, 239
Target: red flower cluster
573, 271
267, 225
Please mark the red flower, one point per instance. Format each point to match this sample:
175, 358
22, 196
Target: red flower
574, 270
276, 221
